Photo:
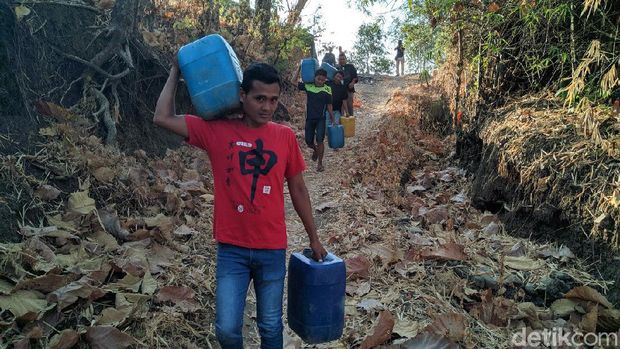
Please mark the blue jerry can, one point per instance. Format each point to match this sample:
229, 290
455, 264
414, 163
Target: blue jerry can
213, 75
330, 69
316, 297
308, 67
335, 136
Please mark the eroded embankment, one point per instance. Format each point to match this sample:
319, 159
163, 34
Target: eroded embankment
550, 182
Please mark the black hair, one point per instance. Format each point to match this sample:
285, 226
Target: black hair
339, 72
320, 72
262, 72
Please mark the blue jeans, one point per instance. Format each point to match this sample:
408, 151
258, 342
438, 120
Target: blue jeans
236, 266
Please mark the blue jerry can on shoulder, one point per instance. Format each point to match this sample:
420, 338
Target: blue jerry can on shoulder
308, 67
335, 136
330, 69
213, 75
316, 293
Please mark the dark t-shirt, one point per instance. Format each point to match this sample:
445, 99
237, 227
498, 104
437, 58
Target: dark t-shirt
329, 58
400, 52
350, 73
317, 101
340, 93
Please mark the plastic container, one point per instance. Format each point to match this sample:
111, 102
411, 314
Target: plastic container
308, 67
348, 123
335, 136
316, 293
337, 117
213, 75
330, 69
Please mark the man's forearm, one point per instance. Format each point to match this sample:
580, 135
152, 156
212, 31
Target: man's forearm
303, 207
165, 102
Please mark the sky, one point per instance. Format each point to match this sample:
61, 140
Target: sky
340, 22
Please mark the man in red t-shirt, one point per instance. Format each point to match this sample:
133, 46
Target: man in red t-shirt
251, 158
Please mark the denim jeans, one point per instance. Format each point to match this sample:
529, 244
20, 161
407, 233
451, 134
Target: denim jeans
236, 266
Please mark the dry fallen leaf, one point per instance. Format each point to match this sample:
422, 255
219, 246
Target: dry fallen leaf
325, 206
562, 308
587, 293
388, 255
23, 302
493, 310
370, 305
589, 321
382, 331
108, 337
81, 203
493, 7
111, 224
112, 316
46, 283
445, 252
358, 267
47, 192
104, 174
69, 294
427, 340
184, 231
436, 215
21, 11
522, 263
66, 339
451, 325
183, 297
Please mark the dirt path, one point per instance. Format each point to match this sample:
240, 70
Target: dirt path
323, 187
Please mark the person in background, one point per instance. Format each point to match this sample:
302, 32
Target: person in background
318, 103
340, 95
329, 57
350, 79
251, 159
400, 58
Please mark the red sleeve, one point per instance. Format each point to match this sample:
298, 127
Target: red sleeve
198, 131
295, 163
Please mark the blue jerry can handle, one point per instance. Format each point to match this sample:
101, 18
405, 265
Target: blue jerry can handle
306, 256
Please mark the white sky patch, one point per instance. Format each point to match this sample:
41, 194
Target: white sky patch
341, 23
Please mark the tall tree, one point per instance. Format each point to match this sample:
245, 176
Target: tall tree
263, 14
369, 53
295, 14
210, 18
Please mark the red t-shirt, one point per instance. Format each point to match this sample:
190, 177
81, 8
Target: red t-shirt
249, 168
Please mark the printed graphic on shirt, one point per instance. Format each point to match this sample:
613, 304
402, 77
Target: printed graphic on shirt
267, 189
256, 162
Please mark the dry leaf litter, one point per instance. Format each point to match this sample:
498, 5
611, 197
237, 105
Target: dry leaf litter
125, 255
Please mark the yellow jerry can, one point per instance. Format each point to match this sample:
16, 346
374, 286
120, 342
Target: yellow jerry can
349, 125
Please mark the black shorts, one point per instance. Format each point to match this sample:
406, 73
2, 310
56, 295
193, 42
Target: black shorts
315, 128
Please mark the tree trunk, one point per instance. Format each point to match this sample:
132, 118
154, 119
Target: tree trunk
263, 14
457, 121
295, 14
210, 18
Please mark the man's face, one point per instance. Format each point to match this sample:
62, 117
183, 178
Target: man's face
260, 102
342, 60
319, 80
338, 79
